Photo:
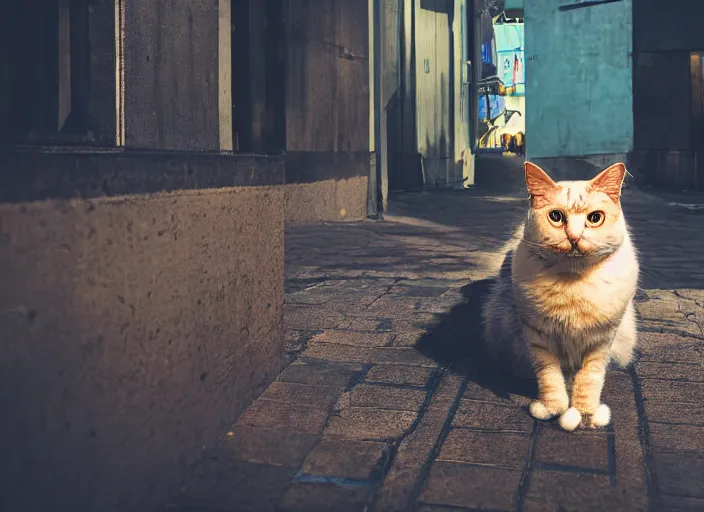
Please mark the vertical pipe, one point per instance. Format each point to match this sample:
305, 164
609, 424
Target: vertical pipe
119, 73
374, 206
225, 75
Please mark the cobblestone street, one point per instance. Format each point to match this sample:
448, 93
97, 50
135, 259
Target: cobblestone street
386, 407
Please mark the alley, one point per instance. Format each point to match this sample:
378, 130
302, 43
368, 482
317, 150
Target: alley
198, 313
385, 405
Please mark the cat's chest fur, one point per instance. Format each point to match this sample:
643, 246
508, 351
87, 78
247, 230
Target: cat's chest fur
567, 303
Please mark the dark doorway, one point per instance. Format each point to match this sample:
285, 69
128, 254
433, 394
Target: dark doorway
258, 85
661, 101
45, 72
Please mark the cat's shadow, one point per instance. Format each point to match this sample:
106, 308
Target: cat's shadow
457, 343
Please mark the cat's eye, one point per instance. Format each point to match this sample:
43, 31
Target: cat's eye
556, 217
596, 219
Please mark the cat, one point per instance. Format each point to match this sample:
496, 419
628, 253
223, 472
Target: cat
563, 300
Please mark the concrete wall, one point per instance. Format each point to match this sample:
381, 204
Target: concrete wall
579, 80
327, 110
328, 200
325, 186
171, 74
134, 328
327, 76
142, 291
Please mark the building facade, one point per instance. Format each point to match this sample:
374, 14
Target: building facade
422, 74
616, 80
668, 94
151, 155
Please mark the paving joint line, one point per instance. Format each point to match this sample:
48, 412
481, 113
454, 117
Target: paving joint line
611, 447
566, 468
432, 386
676, 332
644, 437
526, 477
422, 477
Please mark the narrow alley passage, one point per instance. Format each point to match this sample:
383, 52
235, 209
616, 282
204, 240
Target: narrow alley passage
385, 405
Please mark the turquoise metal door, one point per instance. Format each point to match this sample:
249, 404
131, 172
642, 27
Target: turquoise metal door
578, 78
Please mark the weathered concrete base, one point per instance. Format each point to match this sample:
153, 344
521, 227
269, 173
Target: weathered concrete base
442, 173
578, 168
328, 200
496, 172
133, 331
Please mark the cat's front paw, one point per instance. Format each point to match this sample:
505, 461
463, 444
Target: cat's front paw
572, 418
601, 417
548, 408
595, 414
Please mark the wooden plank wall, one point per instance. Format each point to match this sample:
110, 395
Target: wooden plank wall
433, 88
327, 75
411, 167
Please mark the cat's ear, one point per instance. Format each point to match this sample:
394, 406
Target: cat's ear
609, 181
538, 182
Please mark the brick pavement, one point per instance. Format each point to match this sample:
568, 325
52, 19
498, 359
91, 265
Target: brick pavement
386, 405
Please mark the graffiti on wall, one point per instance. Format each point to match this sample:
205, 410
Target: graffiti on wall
510, 52
502, 89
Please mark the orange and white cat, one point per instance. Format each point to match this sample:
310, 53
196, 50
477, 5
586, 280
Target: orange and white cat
563, 302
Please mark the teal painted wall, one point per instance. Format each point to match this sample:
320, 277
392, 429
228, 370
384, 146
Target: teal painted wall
513, 4
578, 79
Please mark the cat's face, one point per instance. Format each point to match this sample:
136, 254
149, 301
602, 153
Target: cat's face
575, 218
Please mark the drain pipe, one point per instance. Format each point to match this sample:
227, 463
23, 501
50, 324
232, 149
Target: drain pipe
376, 208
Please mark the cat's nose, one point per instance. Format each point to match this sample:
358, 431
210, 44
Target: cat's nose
573, 235
574, 239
